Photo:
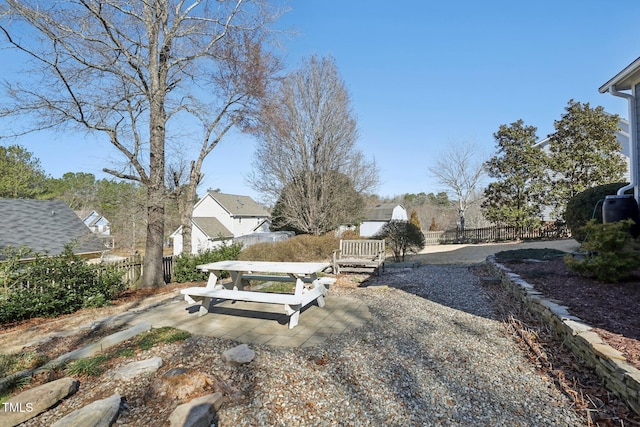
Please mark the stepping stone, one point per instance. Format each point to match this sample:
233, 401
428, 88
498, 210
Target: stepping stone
134, 369
101, 413
35, 401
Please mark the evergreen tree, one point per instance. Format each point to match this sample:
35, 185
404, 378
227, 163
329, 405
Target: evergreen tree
21, 176
518, 169
77, 189
415, 219
583, 153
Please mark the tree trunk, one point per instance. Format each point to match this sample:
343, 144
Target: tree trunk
152, 273
186, 215
187, 202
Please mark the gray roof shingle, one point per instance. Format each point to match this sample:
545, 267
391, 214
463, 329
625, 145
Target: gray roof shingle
212, 227
240, 205
380, 212
44, 226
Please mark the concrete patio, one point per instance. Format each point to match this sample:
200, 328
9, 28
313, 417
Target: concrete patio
256, 323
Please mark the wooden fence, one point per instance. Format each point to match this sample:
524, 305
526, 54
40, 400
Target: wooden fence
132, 268
502, 234
432, 237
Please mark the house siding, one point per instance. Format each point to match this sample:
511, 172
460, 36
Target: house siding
236, 221
371, 227
177, 242
399, 213
243, 225
636, 122
200, 241
210, 208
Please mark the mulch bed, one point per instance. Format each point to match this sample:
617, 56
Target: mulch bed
613, 309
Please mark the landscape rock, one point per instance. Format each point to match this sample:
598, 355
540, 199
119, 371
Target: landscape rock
240, 355
101, 413
134, 369
181, 386
199, 412
174, 372
32, 402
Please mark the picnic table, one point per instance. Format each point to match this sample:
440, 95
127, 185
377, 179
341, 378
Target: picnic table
309, 287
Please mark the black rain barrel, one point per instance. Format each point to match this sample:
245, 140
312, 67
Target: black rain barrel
620, 207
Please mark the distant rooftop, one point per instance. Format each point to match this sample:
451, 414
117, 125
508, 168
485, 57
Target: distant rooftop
240, 205
44, 226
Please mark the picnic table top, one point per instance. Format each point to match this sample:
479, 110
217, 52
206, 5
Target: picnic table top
266, 267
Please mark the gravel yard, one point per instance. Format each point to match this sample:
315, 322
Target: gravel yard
431, 355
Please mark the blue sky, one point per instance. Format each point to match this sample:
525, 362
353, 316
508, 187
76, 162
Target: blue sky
423, 75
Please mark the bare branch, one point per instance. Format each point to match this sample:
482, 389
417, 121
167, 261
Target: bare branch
307, 159
126, 69
460, 169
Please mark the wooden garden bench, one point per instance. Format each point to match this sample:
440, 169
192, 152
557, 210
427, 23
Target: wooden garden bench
359, 255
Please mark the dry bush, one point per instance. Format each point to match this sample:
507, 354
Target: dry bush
301, 248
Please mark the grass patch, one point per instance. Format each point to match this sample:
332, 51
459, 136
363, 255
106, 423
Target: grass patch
10, 386
519, 255
126, 352
279, 287
90, 366
12, 363
160, 335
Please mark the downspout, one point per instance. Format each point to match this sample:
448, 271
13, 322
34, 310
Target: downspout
632, 141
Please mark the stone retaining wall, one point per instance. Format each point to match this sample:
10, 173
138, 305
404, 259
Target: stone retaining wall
610, 365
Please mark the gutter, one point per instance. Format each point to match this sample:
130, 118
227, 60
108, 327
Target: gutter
632, 139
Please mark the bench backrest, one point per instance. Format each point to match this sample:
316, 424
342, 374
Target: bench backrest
361, 248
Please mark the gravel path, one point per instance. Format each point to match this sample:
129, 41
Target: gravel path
476, 253
430, 356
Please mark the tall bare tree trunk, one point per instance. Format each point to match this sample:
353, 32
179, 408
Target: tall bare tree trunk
152, 275
186, 205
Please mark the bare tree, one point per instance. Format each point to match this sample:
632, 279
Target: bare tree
460, 170
138, 72
307, 158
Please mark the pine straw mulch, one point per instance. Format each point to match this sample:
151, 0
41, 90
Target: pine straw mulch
552, 358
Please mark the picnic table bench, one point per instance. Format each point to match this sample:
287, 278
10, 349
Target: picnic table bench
309, 287
359, 255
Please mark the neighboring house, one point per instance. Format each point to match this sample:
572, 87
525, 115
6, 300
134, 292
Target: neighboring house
97, 223
622, 135
219, 218
377, 216
45, 227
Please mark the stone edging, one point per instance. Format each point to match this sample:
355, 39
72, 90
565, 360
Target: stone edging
610, 365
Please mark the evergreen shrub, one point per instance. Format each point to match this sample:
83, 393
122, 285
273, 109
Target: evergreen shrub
52, 286
587, 205
611, 254
184, 267
402, 237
